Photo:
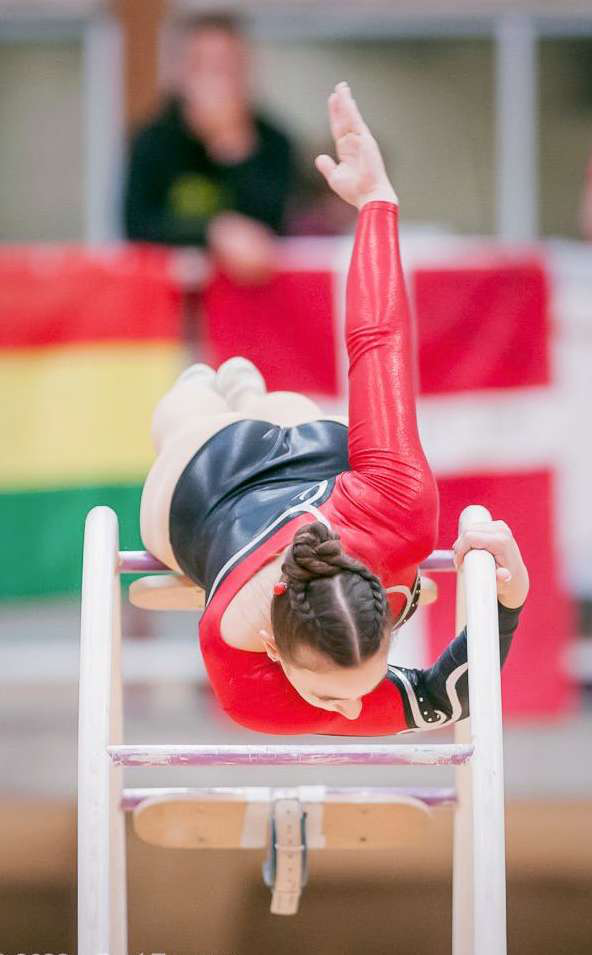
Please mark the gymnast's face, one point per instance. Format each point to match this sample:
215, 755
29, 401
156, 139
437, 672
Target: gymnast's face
329, 687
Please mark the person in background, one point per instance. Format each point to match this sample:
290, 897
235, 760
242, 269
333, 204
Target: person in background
210, 170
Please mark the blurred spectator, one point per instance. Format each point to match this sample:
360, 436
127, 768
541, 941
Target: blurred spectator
210, 169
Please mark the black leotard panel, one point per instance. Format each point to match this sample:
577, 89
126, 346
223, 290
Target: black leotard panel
242, 484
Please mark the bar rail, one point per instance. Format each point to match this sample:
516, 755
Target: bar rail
141, 561
359, 794
430, 754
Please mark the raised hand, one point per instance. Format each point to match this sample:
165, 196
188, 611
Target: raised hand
359, 175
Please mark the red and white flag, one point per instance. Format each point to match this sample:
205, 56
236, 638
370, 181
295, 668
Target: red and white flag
486, 390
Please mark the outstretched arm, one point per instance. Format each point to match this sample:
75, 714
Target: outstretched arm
390, 484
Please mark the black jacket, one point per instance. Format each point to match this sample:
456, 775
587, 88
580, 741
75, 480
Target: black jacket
174, 188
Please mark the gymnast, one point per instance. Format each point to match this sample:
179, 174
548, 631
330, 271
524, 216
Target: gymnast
306, 534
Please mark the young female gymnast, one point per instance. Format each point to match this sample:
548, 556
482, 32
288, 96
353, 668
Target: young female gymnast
307, 535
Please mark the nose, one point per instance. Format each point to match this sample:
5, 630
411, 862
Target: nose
350, 710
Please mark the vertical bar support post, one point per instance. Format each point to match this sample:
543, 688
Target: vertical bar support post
487, 770
102, 919
462, 857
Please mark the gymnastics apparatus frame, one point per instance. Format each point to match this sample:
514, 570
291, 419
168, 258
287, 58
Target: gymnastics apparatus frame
479, 879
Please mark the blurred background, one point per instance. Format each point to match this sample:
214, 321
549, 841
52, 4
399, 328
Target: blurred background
158, 205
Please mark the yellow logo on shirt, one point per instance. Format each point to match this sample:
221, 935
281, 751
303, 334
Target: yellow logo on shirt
193, 196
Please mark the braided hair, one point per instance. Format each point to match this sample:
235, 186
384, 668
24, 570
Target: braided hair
332, 604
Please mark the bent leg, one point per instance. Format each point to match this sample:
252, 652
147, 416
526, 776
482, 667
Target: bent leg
179, 447
243, 387
191, 397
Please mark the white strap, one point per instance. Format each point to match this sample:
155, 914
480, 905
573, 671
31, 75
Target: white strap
289, 856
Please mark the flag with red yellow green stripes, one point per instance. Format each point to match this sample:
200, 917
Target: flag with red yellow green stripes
89, 342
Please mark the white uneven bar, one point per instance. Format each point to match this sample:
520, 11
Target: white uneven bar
102, 921
487, 770
409, 754
462, 853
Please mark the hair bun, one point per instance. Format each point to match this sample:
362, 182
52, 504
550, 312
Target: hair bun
315, 552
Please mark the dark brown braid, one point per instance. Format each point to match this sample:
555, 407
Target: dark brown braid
333, 603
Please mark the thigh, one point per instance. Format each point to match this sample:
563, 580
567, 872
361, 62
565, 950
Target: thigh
162, 478
183, 405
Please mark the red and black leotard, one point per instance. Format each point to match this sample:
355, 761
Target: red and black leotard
371, 483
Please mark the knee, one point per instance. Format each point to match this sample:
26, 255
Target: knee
187, 401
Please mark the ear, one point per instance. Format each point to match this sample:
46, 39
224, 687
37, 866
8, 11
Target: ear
270, 645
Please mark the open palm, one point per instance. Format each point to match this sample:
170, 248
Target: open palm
359, 174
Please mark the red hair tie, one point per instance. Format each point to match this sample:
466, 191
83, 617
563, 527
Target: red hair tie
280, 588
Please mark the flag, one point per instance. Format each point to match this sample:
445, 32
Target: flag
88, 344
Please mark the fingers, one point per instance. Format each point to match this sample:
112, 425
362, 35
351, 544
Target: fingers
350, 108
493, 536
344, 115
478, 540
499, 529
326, 165
503, 574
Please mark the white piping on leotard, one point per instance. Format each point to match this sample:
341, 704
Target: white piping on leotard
297, 508
451, 693
421, 724
401, 589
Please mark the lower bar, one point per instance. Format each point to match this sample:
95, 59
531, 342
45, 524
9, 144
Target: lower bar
207, 755
376, 794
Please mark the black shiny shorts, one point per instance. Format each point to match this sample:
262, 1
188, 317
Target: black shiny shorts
244, 483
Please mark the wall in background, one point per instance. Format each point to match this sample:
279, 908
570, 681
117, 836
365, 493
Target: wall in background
565, 91
430, 104
41, 144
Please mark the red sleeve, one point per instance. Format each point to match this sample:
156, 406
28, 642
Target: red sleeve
389, 497
255, 693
